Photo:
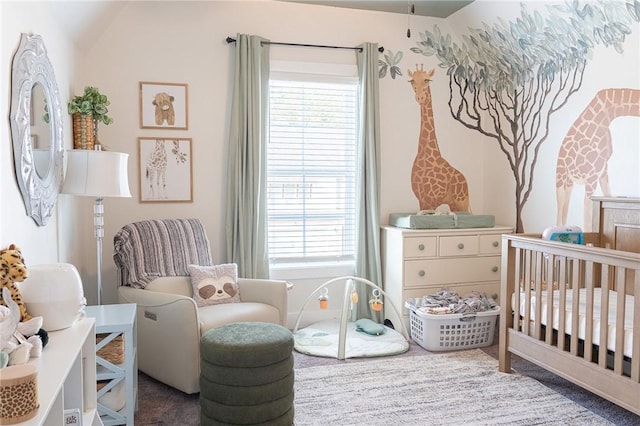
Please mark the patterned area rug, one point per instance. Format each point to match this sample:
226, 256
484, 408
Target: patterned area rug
454, 388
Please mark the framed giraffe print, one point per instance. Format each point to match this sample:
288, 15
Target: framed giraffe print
163, 106
165, 170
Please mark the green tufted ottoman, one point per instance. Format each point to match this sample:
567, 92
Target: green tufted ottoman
246, 375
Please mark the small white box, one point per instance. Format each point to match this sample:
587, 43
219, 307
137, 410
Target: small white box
72, 417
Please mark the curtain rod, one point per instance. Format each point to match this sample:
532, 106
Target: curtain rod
279, 43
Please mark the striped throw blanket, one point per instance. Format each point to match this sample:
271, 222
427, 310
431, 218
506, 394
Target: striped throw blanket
156, 248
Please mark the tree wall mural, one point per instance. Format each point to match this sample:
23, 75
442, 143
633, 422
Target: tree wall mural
507, 79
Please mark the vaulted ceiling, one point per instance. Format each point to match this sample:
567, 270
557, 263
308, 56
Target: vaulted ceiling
86, 20
435, 8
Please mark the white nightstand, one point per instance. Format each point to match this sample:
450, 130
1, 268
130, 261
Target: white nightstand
117, 320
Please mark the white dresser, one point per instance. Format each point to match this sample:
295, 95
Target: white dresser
416, 263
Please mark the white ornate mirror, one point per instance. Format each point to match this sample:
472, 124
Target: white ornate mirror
36, 128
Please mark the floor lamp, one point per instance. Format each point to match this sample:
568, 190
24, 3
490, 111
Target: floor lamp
98, 174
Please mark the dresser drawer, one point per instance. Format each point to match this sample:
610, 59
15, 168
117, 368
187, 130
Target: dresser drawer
460, 245
490, 244
419, 247
420, 273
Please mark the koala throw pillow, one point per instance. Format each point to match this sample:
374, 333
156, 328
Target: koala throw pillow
215, 284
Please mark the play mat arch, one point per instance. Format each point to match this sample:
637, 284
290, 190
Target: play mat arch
344, 337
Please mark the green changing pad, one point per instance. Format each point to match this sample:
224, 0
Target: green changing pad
432, 221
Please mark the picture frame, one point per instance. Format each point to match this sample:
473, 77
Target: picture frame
165, 170
164, 106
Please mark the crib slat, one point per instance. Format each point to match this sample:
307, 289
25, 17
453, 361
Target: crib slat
550, 280
635, 344
604, 315
575, 287
618, 356
562, 302
537, 262
526, 320
519, 286
588, 332
537, 324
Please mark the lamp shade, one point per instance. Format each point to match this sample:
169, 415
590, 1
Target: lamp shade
96, 174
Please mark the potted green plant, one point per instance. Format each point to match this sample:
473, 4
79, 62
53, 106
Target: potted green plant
87, 110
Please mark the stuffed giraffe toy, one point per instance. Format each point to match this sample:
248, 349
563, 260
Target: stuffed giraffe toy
13, 270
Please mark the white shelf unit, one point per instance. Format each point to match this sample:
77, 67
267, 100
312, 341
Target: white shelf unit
67, 375
116, 320
419, 262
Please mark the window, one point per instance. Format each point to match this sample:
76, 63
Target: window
311, 159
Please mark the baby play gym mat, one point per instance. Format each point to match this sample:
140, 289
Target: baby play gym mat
343, 338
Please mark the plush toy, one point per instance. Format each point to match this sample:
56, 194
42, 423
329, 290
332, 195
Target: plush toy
19, 340
376, 302
13, 270
7, 329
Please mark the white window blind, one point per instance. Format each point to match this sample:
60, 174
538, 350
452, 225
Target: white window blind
311, 160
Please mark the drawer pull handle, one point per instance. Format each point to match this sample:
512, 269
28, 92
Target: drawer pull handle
421, 273
494, 269
421, 247
460, 246
496, 244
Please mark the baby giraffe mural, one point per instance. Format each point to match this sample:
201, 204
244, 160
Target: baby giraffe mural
586, 149
434, 181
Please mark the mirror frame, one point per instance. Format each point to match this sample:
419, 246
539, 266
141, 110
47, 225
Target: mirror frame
31, 66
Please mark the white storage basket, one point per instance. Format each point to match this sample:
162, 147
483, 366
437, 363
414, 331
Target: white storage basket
445, 332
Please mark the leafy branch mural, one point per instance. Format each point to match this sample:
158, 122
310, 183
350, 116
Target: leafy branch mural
506, 80
390, 63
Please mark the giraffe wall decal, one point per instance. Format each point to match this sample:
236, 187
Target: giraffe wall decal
587, 148
433, 180
156, 171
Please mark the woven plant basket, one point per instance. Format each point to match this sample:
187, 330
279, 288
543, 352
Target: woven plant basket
112, 351
85, 131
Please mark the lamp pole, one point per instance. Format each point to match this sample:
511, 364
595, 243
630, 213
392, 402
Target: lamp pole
98, 223
86, 172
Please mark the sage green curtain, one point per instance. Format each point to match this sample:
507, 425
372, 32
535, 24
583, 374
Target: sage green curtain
246, 189
367, 258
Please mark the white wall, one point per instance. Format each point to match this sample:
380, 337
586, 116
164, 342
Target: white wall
183, 42
607, 69
39, 244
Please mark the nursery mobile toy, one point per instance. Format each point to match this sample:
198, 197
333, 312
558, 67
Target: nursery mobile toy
376, 302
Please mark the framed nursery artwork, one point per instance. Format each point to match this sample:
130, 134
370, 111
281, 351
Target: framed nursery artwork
163, 106
165, 170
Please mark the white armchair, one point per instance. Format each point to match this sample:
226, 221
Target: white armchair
152, 257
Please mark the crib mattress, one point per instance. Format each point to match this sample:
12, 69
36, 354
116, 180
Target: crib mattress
613, 295
431, 221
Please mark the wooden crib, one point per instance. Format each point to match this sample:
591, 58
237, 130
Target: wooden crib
598, 280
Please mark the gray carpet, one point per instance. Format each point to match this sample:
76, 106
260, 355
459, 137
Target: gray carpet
448, 389
159, 404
